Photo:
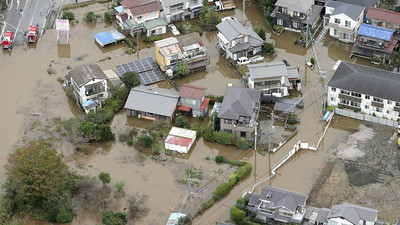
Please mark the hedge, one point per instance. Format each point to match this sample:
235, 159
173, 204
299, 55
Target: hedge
223, 137
236, 214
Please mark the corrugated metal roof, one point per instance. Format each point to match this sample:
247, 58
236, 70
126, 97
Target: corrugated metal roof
150, 24
384, 15
166, 42
192, 91
265, 70
175, 140
376, 32
181, 132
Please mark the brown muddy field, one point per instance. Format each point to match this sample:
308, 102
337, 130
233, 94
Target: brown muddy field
28, 88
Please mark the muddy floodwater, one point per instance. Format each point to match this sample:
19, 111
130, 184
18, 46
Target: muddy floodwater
28, 89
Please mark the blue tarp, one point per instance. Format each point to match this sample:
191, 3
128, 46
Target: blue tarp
375, 32
104, 38
174, 217
119, 9
88, 102
326, 115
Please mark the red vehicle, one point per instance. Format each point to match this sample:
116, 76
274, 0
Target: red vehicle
8, 39
32, 34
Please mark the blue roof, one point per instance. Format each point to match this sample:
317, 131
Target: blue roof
375, 32
88, 102
104, 38
119, 9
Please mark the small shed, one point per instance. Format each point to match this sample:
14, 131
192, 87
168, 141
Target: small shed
180, 140
155, 27
108, 37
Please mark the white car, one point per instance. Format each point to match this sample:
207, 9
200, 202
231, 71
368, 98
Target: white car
228, 18
173, 29
243, 61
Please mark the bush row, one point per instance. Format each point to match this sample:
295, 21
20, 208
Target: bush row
215, 98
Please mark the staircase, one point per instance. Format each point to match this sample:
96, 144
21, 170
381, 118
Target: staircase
321, 36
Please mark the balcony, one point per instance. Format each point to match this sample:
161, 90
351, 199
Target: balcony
377, 104
350, 98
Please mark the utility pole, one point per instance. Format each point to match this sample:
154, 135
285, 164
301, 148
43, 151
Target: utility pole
255, 137
244, 12
137, 40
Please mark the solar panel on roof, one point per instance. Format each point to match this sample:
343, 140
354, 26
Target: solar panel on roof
147, 69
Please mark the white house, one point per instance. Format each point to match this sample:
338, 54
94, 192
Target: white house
177, 10
180, 140
88, 85
365, 89
349, 214
238, 41
343, 20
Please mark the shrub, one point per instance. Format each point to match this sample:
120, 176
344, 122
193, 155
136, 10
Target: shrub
130, 43
373, 114
146, 140
268, 48
130, 51
219, 159
341, 107
64, 216
131, 79
312, 61
236, 214
111, 218
156, 147
133, 131
67, 15
181, 69
155, 135
242, 143
208, 134
223, 137
107, 17
221, 190
185, 221
119, 186
259, 29
205, 205
104, 133
104, 177
146, 39
196, 128
120, 93
209, 18
90, 17
215, 98
181, 121
197, 29
114, 104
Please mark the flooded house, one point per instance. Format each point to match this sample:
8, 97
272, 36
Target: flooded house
187, 48
134, 14
180, 140
239, 111
151, 103
87, 84
193, 101
273, 79
238, 41
296, 15
384, 18
364, 89
347, 214
375, 43
367, 4
279, 205
343, 20
177, 10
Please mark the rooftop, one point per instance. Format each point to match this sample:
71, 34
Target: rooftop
352, 11
192, 91
384, 15
375, 32
301, 6
238, 102
364, 3
366, 80
189, 39
353, 213
150, 24
231, 29
84, 73
140, 7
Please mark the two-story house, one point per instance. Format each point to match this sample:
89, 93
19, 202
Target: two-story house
136, 12
347, 214
343, 20
279, 205
87, 83
187, 48
365, 89
375, 43
239, 111
384, 18
367, 4
238, 41
193, 100
296, 15
177, 10
273, 79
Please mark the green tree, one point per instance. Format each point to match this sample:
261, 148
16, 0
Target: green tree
208, 134
259, 29
104, 133
107, 17
236, 214
67, 15
111, 218
181, 121
87, 129
120, 92
119, 185
209, 18
223, 137
131, 79
38, 181
268, 48
156, 147
182, 69
242, 143
104, 177
90, 17
185, 221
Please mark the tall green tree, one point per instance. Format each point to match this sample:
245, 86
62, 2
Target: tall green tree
131, 79
209, 18
182, 69
259, 29
104, 177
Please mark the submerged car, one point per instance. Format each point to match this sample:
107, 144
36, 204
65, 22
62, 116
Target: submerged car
173, 29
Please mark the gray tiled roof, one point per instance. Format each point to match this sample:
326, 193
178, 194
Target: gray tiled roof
352, 213
352, 11
240, 47
153, 100
366, 80
283, 198
322, 214
238, 102
365, 3
301, 6
231, 29
82, 74
168, 3
265, 70
254, 39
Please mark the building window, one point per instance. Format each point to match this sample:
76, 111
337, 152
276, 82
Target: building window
344, 101
228, 131
227, 121
296, 14
332, 223
243, 134
279, 22
367, 97
355, 94
366, 106
337, 20
139, 17
355, 104
335, 32
345, 92
190, 102
333, 89
398, 114
378, 109
295, 25
153, 14
333, 99
389, 102
378, 100
347, 23
346, 36
388, 112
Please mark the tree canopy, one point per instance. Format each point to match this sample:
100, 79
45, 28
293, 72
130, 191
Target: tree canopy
209, 18
131, 79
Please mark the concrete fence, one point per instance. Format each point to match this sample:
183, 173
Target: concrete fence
367, 118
